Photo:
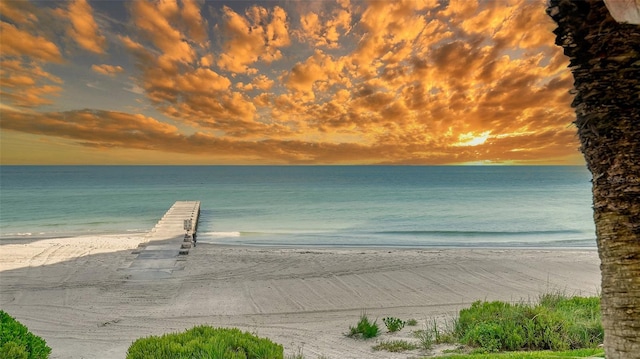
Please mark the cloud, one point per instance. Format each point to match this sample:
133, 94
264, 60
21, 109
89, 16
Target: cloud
21, 12
21, 43
262, 82
230, 112
388, 28
201, 80
154, 21
133, 88
97, 128
318, 82
145, 57
31, 96
107, 129
25, 51
196, 25
458, 10
84, 29
198, 96
26, 84
319, 70
257, 36
325, 30
17, 68
182, 85
109, 70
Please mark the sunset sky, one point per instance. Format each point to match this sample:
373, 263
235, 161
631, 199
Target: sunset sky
283, 82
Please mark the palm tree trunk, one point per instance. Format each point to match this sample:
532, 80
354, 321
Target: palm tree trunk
605, 62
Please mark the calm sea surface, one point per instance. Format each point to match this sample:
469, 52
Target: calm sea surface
309, 205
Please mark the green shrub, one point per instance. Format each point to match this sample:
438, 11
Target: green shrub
206, 342
393, 324
412, 322
556, 323
16, 342
365, 328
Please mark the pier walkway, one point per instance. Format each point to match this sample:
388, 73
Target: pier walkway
165, 247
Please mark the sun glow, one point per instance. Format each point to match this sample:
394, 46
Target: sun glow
472, 139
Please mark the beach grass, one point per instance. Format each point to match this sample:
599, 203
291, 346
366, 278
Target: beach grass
556, 326
577, 353
425, 337
395, 346
557, 322
412, 322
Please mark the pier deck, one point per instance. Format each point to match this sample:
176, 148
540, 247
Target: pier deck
166, 245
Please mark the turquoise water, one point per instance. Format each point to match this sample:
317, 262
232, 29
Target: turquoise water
309, 205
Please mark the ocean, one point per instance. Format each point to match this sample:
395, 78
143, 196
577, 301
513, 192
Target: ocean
388, 206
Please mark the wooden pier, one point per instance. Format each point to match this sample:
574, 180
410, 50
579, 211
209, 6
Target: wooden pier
168, 243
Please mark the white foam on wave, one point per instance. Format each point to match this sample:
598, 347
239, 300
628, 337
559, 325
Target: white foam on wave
221, 234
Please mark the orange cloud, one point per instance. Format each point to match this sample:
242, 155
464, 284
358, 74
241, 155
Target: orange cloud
258, 36
198, 96
389, 27
18, 11
458, 10
316, 70
262, 82
31, 96
84, 29
18, 42
109, 70
92, 128
324, 30
184, 87
196, 25
410, 82
27, 84
106, 129
154, 20
17, 68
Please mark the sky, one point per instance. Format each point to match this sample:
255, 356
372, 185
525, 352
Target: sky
419, 82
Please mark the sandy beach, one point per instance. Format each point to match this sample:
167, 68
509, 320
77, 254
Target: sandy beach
86, 298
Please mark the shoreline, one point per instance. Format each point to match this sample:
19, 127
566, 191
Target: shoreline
78, 295
471, 246
401, 247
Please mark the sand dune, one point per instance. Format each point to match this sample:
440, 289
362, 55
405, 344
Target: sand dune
85, 295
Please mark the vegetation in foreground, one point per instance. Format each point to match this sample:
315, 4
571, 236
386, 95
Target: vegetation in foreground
578, 353
557, 327
206, 342
395, 346
393, 324
555, 323
365, 328
17, 342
